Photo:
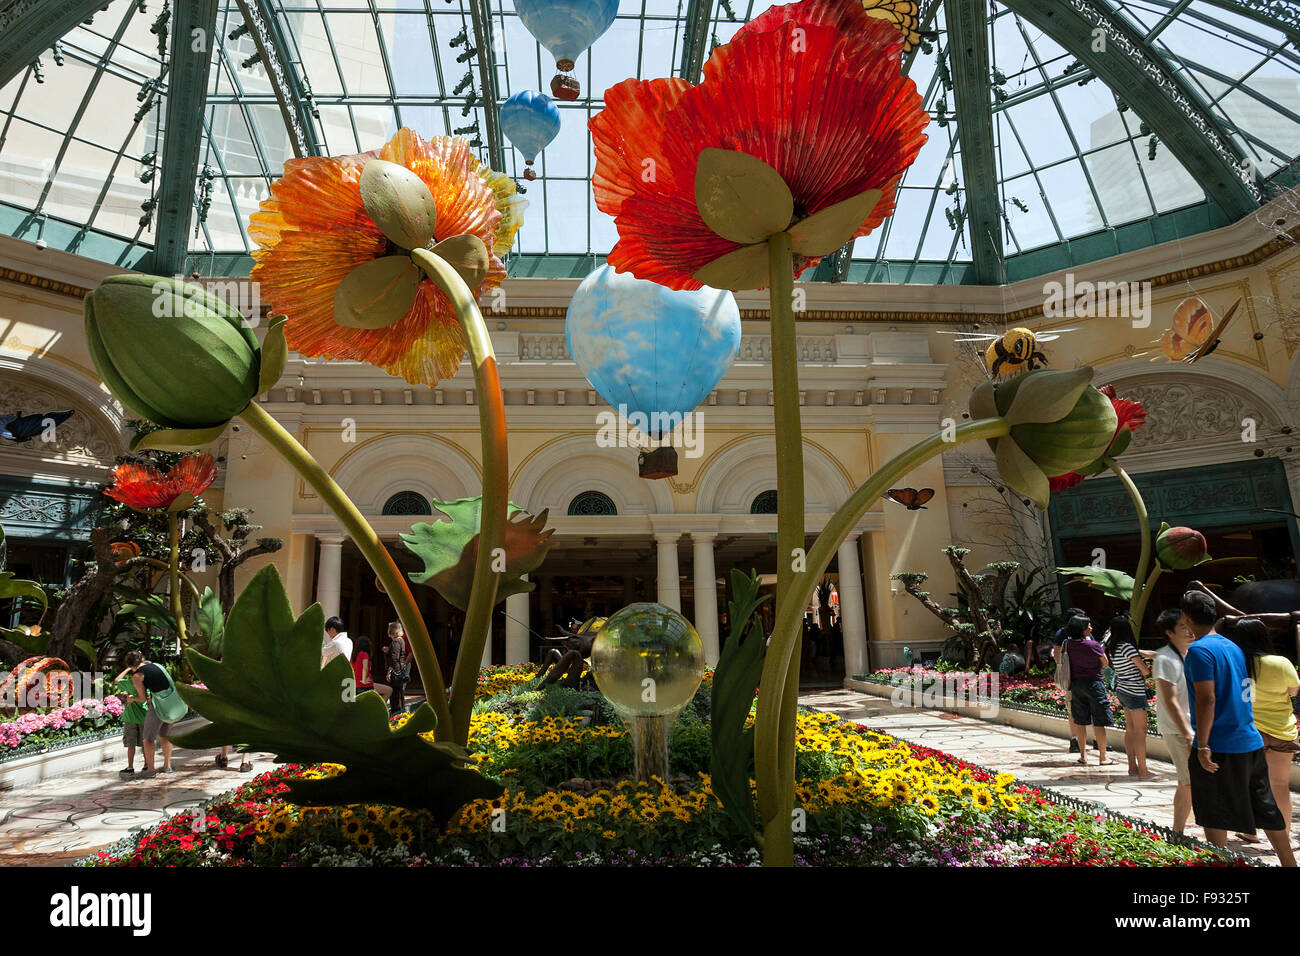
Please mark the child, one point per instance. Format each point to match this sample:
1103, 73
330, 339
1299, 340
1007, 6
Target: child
132, 721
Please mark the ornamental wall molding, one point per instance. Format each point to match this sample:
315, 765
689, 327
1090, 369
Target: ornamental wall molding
93, 437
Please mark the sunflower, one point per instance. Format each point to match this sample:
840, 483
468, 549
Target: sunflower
364, 839
322, 257
374, 814
281, 827
405, 835
351, 827
929, 804
982, 798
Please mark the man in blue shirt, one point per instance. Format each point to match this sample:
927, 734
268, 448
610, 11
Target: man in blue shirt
1230, 787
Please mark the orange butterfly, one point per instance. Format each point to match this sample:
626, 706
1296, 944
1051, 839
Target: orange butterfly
1194, 334
910, 498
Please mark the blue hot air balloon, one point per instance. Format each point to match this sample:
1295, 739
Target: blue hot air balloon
652, 353
566, 28
530, 121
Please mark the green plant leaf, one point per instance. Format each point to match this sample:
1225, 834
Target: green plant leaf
13, 587
743, 268
270, 693
24, 638
87, 650
450, 548
827, 229
740, 197
177, 439
1019, 471
275, 353
1047, 396
211, 623
1108, 581
740, 666
376, 294
151, 609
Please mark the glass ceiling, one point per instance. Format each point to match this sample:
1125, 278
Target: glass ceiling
1079, 175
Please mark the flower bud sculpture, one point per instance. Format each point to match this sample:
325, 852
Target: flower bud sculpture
173, 353
1058, 421
1180, 548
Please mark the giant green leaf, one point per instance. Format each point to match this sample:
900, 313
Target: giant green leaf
211, 623
1108, 581
450, 548
14, 588
740, 666
270, 693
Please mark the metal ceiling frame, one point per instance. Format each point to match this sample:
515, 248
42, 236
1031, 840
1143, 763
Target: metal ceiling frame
285, 82
695, 38
187, 88
1262, 11
1168, 104
28, 27
968, 58
481, 20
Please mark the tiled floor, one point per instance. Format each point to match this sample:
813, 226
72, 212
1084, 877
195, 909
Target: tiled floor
62, 820
1036, 759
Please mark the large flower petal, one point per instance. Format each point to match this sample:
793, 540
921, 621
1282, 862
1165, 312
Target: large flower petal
829, 112
628, 138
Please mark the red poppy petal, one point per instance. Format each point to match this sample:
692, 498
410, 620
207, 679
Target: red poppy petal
847, 17
628, 139
1061, 482
1131, 414
193, 473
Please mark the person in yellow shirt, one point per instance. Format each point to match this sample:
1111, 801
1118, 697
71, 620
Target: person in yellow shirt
1273, 682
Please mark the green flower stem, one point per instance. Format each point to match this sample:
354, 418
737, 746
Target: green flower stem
783, 688
1138, 601
194, 588
496, 485
1141, 608
775, 781
174, 584
372, 549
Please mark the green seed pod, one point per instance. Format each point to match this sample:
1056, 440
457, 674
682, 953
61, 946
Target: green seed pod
170, 352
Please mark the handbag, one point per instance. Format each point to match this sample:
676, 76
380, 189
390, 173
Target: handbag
1062, 667
168, 704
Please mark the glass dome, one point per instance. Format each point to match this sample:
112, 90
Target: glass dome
1051, 154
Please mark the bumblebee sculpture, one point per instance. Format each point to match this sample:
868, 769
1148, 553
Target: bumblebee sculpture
1013, 353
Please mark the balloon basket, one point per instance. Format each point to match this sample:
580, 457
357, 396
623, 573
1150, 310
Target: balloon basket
565, 88
659, 463
530, 174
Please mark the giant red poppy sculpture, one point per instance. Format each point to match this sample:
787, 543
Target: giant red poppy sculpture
801, 128
793, 143
145, 488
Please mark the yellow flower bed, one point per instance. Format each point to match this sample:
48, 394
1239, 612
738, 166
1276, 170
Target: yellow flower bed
501, 679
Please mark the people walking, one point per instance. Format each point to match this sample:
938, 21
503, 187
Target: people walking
1173, 708
1089, 702
399, 667
336, 642
1131, 673
1230, 782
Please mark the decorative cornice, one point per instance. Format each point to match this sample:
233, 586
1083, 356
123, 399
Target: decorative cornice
41, 282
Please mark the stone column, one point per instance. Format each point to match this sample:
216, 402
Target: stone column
706, 594
329, 573
517, 628
670, 589
853, 618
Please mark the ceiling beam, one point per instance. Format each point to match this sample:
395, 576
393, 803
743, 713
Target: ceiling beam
287, 86
481, 20
1118, 55
1281, 16
695, 38
193, 40
29, 27
968, 57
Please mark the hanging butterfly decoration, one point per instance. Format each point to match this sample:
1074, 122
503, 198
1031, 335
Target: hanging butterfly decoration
904, 14
1013, 351
1194, 334
21, 428
910, 498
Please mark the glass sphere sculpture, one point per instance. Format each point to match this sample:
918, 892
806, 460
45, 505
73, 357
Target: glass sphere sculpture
648, 660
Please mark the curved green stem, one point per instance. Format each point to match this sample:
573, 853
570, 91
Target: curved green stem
154, 562
790, 505
381, 562
775, 784
496, 485
1140, 609
174, 584
1138, 601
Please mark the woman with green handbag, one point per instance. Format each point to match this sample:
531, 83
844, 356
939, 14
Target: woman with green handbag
164, 706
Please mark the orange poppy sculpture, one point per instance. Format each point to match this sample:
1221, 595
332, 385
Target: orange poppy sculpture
802, 125
145, 488
335, 240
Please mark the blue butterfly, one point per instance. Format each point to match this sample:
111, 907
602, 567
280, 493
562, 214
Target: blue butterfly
19, 427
